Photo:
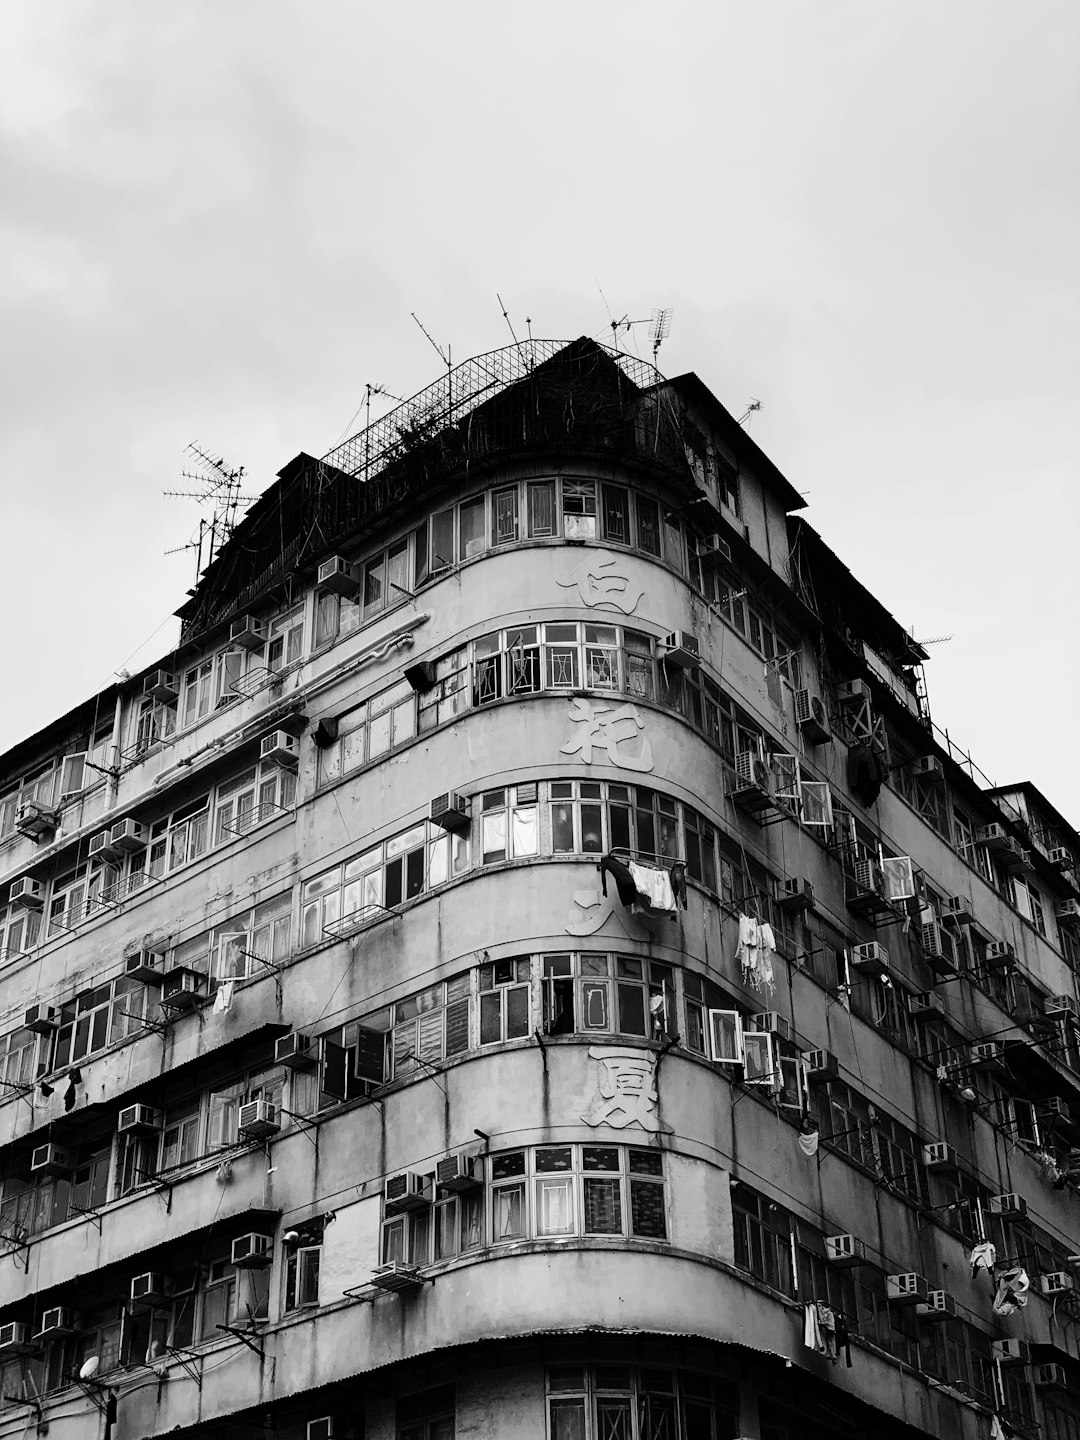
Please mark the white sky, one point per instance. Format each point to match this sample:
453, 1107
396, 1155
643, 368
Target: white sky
215, 220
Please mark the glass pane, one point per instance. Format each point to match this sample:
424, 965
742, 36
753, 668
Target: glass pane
603, 1207
567, 1420
555, 1207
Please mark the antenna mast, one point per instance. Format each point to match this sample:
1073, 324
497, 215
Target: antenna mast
220, 489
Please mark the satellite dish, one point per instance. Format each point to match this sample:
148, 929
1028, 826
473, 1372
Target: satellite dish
89, 1367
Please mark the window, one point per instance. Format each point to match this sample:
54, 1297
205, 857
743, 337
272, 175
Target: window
302, 1263
559, 1191
427, 1416
579, 509
335, 617
261, 934
19, 1050
386, 579
99, 1017
19, 930
615, 1402
616, 514
762, 1238
504, 516
390, 873
449, 695
371, 729
509, 823
285, 644
593, 992
504, 1001
431, 1025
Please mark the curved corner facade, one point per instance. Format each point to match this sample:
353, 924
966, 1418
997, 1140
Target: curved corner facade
528, 965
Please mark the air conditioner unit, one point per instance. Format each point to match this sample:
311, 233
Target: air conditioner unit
1048, 1377
938, 1305
928, 767
252, 1251
52, 1160
42, 1019
145, 965
957, 910
870, 959
852, 692
1061, 1007
681, 648
769, 1022
161, 685
713, 550
1053, 1109
450, 811
127, 837
999, 954
14, 1337
845, 1251
999, 842
184, 989
821, 1066
457, 1173
923, 1004
407, 1191
338, 576
249, 631
321, 1428
752, 782
139, 1119
1059, 856
1009, 1206
798, 894
1011, 1351
99, 847
811, 717
257, 1120
939, 1157
1068, 911
867, 878
296, 1051
280, 748
1058, 1282
58, 1323
396, 1277
907, 1289
987, 1055
27, 893
939, 948
35, 820
151, 1288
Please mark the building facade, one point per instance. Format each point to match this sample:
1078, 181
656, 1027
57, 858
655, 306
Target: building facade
528, 965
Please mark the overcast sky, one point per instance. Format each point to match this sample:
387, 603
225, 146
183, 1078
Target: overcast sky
218, 217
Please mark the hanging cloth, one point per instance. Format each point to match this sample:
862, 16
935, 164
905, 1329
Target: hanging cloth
809, 1138
224, 998
747, 953
1013, 1285
812, 1337
983, 1257
620, 873
653, 886
766, 951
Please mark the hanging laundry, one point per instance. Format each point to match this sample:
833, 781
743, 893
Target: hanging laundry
678, 882
827, 1321
812, 1337
620, 873
747, 952
224, 998
996, 1432
865, 773
1013, 1285
843, 1337
983, 1257
766, 951
653, 886
809, 1137
71, 1090
843, 994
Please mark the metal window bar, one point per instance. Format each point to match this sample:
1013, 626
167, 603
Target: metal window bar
258, 815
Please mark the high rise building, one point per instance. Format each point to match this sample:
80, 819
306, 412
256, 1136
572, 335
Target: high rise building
527, 965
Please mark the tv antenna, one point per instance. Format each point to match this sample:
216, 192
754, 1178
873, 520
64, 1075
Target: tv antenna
219, 487
659, 329
935, 640
752, 408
